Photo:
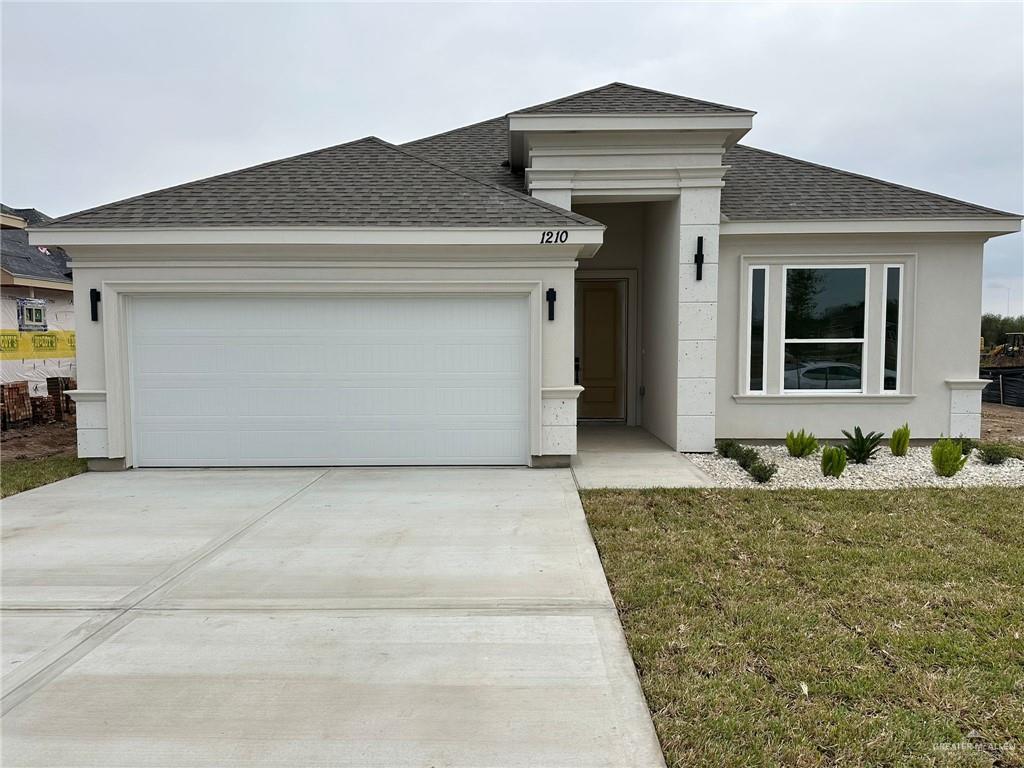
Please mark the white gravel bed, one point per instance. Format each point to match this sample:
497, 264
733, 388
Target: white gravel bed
883, 471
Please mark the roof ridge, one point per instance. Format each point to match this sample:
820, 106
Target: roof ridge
883, 182
225, 174
634, 87
453, 130
586, 221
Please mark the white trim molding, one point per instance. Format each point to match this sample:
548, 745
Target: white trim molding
577, 236
117, 296
995, 225
838, 398
572, 392
976, 384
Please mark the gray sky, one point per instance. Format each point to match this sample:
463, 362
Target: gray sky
104, 101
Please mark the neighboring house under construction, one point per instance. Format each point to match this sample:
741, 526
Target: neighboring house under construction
37, 336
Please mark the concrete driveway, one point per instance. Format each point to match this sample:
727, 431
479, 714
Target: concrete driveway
374, 617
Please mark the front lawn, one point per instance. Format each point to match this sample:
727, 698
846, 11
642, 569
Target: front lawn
807, 628
17, 475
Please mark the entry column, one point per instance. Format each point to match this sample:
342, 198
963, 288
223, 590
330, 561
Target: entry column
699, 217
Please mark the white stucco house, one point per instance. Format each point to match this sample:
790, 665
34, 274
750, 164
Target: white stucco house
469, 297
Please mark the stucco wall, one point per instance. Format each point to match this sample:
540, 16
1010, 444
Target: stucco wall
660, 302
556, 410
940, 342
623, 240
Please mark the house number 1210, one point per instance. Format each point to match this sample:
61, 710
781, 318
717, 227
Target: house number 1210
549, 237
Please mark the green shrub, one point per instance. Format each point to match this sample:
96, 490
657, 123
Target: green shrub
860, 447
833, 461
899, 440
800, 444
967, 445
948, 457
726, 448
761, 471
748, 458
994, 453
745, 456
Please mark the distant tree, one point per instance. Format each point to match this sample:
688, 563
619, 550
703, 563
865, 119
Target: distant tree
995, 327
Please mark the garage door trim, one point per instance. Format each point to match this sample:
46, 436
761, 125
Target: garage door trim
116, 318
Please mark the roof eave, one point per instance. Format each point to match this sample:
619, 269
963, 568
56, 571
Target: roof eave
28, 281
577, 234
734, 125
990, 226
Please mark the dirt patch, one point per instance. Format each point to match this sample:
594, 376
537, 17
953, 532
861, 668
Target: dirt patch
1001, 422
39, 441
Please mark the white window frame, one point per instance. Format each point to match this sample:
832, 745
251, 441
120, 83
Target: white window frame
899, 328
30, 324
750, 331
862, 340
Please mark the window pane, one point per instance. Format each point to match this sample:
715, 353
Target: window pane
757, 280
823, 366
892, 327
825, 303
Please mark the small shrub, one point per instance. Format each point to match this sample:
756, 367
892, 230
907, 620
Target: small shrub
899, 440
748, 458
948, 457
761, 471
726, 448
745, 456
833, 461
994, 453
860, 447
800, 444
967, 445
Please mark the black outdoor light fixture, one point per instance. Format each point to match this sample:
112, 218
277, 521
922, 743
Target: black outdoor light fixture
94, 303
551, 296
698, 258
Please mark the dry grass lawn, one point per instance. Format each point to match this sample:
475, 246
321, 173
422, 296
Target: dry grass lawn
814, 628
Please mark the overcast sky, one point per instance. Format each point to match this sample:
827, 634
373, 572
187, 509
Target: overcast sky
104, 101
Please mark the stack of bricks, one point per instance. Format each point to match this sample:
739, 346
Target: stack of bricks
17, 404
43, 410
64, 406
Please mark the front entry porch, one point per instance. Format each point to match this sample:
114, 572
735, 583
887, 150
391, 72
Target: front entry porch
618, 456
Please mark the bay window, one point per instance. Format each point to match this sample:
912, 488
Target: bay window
891, 328
824, 326
757, 358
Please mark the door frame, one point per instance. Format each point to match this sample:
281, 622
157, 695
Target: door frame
118, 297
632, 340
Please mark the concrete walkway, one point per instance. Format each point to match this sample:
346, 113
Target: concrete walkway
617, 456
409, 617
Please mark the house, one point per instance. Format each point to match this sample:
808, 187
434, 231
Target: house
467, 298
37, 337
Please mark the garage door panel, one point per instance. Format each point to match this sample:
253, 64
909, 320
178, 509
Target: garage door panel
220, 381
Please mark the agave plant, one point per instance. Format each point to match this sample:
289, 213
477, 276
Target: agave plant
860, 447
833, 461
800, 444
899, 440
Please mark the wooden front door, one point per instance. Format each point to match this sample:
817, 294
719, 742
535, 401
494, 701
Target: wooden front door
600, 312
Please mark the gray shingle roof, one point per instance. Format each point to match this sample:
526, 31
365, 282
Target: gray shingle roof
364, 183
479, 150
759, 186
23, 260
622, 98
763, 185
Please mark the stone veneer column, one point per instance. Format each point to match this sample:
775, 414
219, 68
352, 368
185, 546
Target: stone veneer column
699, 216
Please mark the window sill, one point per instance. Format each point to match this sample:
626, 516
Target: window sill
838, 398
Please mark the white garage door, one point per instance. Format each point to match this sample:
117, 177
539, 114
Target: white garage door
251, 381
